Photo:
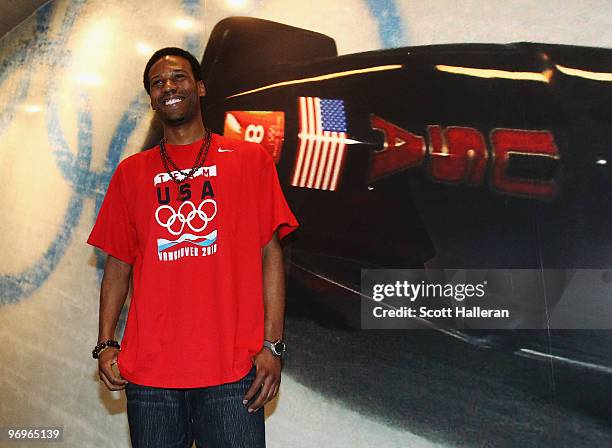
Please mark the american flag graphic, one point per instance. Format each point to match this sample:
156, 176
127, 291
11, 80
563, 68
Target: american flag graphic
323, 140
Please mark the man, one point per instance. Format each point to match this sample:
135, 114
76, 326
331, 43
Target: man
194, 222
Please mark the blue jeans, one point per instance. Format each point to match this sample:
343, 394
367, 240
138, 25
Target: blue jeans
213, 417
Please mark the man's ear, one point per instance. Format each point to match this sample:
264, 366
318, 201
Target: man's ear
201, 88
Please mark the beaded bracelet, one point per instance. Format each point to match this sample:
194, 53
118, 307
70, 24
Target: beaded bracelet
102, 345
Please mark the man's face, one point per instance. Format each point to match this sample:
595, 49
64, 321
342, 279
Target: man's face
175, 94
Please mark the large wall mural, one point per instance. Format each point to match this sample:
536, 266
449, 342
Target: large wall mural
47, 47
72, 106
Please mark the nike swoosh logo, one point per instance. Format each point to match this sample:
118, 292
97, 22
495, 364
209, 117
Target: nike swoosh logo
225, 150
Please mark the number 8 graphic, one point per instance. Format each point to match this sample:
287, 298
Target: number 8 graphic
254, 133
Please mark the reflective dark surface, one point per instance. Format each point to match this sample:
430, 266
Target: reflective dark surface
448, 156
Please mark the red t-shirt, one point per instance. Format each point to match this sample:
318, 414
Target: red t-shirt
196, 314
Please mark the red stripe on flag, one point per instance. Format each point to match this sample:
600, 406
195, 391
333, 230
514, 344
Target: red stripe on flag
301, 151
330, 160
323, 161
338, 162
310, 125
317, 139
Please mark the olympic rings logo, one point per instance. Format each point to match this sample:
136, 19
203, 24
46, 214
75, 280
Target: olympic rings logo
186, 220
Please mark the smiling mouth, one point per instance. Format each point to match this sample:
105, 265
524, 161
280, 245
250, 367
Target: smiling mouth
172, 101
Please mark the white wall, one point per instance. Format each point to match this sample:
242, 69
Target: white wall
72, 105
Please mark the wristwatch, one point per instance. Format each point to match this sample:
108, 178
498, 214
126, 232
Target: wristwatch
277, 348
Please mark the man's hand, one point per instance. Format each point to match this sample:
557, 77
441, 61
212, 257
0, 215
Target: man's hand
113, 292
106, 359
267, 380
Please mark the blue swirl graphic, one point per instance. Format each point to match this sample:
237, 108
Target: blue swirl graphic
76, 169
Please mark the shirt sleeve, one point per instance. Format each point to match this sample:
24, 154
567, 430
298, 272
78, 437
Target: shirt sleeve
275, 214
114, 231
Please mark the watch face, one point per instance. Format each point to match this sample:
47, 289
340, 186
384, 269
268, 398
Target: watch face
280, 347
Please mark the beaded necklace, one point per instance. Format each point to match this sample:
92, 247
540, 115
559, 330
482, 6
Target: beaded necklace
199, 161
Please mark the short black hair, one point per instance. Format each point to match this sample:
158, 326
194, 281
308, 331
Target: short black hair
196, 68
